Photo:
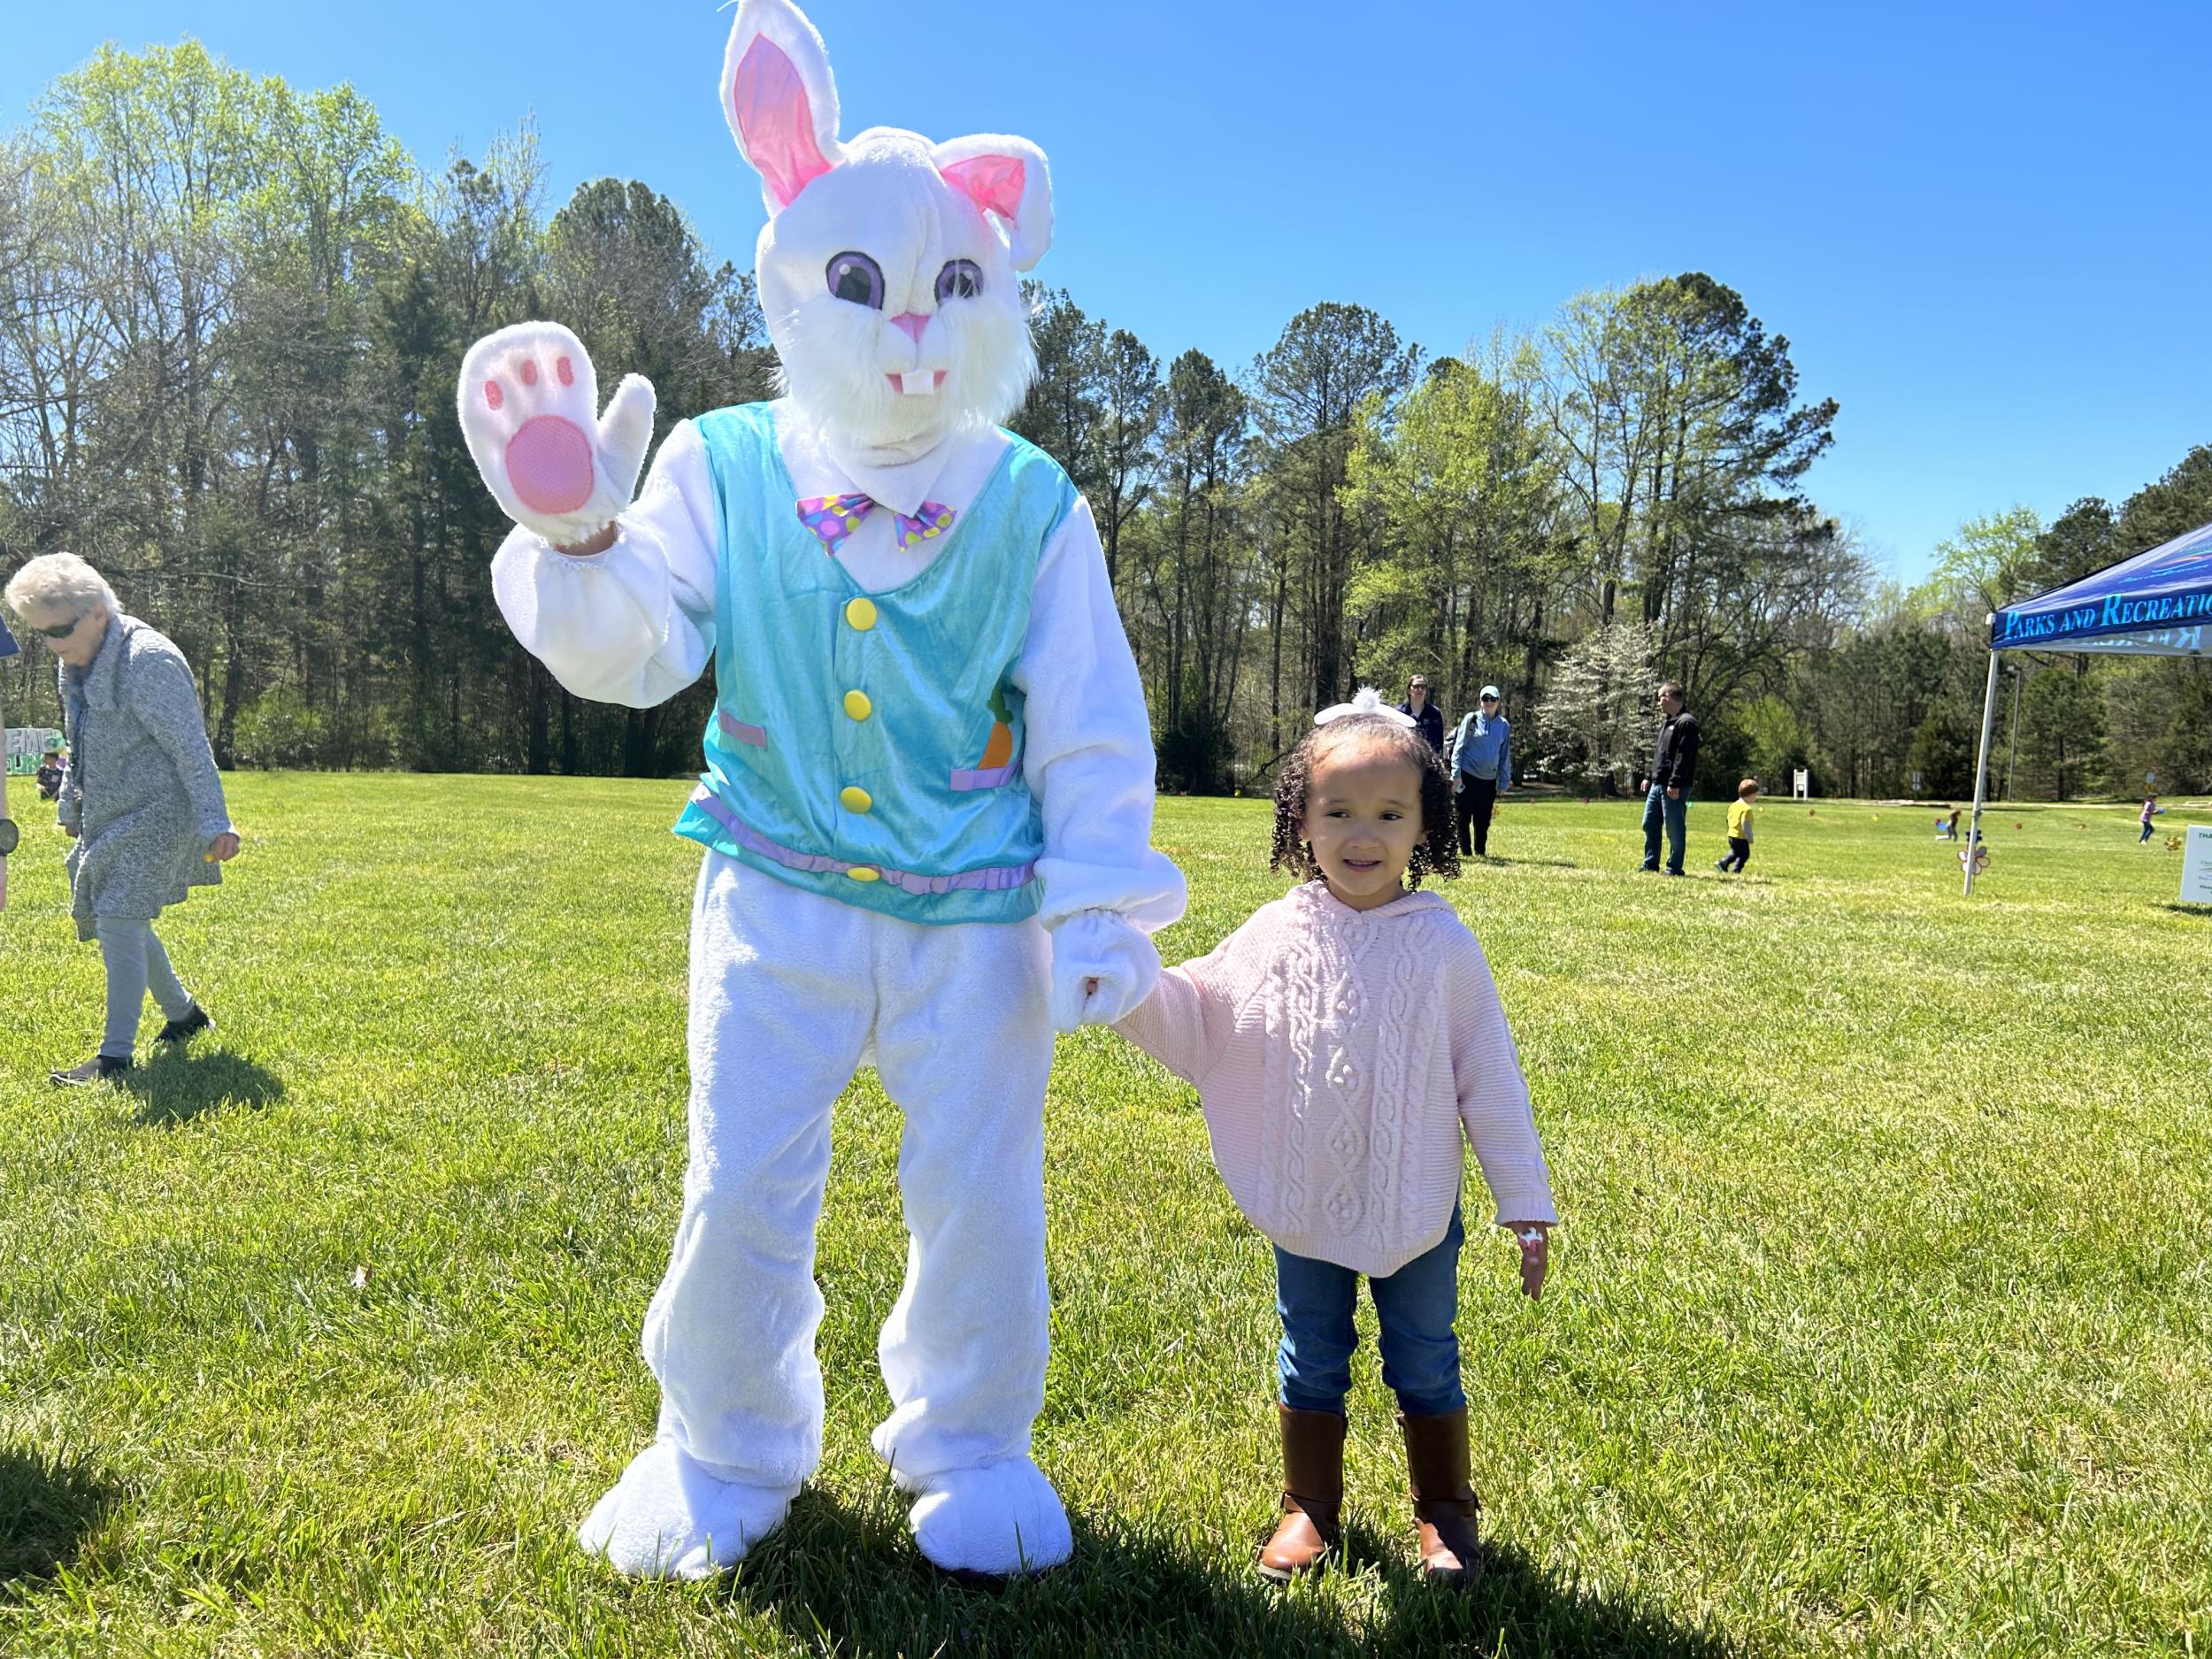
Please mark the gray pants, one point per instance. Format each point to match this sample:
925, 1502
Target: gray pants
136, 964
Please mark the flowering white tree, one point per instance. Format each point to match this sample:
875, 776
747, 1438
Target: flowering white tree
1597, 718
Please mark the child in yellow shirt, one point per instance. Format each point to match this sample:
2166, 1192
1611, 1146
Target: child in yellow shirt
1739, 825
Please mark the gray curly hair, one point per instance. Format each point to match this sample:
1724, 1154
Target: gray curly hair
59, 581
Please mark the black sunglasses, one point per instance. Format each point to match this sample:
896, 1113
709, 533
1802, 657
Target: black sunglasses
66, 630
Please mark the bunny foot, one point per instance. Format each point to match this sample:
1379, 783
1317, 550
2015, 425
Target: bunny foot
998, 1521
529, 409
668, 1518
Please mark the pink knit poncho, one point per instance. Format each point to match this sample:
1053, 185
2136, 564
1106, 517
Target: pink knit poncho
1337, 1054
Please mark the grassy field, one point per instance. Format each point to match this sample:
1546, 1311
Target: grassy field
1880, 1321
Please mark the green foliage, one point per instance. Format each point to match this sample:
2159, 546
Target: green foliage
1777, 739
322, 1339
2062, 733
279, 729
1941, 757
2177, 503
1992, 562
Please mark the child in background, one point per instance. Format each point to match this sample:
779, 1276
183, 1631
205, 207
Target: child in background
2151, 810
1740, 826
1342, 1041
1947, 828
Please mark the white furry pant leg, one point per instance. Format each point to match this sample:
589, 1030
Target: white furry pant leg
787, 990
963, 1044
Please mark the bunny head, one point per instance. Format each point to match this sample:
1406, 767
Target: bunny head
887, 268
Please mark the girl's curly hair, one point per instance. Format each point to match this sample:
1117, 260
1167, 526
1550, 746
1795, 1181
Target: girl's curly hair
1434, 854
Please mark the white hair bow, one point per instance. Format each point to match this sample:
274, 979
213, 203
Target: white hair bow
1366, 701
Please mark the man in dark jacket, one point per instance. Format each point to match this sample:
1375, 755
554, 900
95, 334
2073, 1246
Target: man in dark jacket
1667, 804
1425, 714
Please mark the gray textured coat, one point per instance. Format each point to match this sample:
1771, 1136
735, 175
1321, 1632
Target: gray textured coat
142, 792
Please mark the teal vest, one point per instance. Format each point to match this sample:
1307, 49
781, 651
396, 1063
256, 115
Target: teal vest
868, 747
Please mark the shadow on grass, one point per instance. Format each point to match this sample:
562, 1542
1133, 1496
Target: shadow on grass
849, 1581
48, 1505
176, 1087
1545, 864
2200, 911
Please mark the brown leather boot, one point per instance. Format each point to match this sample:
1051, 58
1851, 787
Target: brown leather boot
1313, 1493
1445, 1506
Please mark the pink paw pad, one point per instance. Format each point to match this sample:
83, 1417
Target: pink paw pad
548, 462
529, 372
566, 372
493, 395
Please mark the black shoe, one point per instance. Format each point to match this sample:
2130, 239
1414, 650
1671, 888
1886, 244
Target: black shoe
184, 1030
99, 1069
1674, 872
1721, 864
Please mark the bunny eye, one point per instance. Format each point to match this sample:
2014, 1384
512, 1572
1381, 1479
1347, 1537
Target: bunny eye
960, 280
857, 278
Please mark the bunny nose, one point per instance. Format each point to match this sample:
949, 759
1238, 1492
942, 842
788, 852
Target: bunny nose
913, 322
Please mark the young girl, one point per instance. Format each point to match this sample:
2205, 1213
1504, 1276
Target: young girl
1340, 1040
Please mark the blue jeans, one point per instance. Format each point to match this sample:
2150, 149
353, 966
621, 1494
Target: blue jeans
1657, 810
1414, 1306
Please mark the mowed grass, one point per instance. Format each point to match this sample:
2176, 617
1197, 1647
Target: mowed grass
1878, 1322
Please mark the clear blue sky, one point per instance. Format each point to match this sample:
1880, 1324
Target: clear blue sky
1986, 230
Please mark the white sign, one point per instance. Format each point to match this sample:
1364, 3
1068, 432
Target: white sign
31, 739
26, 744
2196, 866
1801, 786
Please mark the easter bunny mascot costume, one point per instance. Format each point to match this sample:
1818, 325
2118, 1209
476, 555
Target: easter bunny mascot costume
926, 806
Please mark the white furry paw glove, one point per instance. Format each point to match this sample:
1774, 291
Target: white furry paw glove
1101, 968
530, 411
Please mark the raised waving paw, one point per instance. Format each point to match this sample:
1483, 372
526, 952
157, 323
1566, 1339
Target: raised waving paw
530, 411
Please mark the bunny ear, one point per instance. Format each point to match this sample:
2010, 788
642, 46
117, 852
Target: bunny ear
779, 99
1006, 177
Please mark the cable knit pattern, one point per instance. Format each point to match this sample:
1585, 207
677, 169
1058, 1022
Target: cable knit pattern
1339, 1056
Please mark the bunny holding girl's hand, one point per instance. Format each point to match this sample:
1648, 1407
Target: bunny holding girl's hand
529, 406
1101, 968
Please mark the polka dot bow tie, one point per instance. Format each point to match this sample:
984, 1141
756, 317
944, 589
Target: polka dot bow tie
834, 517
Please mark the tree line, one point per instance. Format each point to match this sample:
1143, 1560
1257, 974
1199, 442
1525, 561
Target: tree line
232, 316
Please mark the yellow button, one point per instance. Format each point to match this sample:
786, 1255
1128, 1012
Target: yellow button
865, 872
857, 705
855, 800
862, 614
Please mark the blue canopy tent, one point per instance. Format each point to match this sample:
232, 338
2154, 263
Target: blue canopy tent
2158, 603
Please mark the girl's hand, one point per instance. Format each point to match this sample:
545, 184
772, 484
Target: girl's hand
224, 848
1535, 1241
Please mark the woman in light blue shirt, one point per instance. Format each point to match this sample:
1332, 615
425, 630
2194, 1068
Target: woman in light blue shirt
1482, 770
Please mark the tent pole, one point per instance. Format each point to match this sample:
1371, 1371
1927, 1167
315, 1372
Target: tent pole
2012, 743
1981, 770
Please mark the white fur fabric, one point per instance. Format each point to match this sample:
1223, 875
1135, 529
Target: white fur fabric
669, 1518
1002, 1519
790, 991
1101, 969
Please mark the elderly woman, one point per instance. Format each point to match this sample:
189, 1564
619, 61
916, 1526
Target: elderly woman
142, 799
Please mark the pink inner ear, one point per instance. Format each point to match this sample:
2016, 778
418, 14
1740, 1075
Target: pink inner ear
769, 100
993, 183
